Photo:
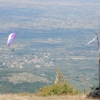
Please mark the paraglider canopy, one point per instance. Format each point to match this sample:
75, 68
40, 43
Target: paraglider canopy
11, 38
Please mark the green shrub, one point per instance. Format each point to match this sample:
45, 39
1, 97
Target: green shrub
61, 87
57, 89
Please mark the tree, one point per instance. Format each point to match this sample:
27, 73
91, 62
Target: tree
59, 77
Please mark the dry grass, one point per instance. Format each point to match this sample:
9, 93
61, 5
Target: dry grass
33, 97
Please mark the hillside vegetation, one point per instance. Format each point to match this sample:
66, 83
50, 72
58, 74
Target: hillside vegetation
61, 90
57, 89
61, 87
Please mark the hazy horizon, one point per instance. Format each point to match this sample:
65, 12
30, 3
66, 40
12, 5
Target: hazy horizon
47, 15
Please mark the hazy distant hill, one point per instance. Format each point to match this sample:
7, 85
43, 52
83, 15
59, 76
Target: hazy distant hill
46, 15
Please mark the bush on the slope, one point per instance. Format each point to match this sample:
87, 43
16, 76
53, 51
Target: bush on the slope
57, 89
61, 87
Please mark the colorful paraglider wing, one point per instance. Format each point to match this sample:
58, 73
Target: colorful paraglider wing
11, 38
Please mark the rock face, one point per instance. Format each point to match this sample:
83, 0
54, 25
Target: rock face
95, 93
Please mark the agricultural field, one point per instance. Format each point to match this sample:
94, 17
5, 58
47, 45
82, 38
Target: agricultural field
35, 61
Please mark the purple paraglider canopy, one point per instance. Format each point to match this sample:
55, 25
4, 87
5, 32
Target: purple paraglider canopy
11, 38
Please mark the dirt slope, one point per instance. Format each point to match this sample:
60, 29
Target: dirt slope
33, 97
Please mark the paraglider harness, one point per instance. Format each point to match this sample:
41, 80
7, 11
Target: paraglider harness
12, 49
